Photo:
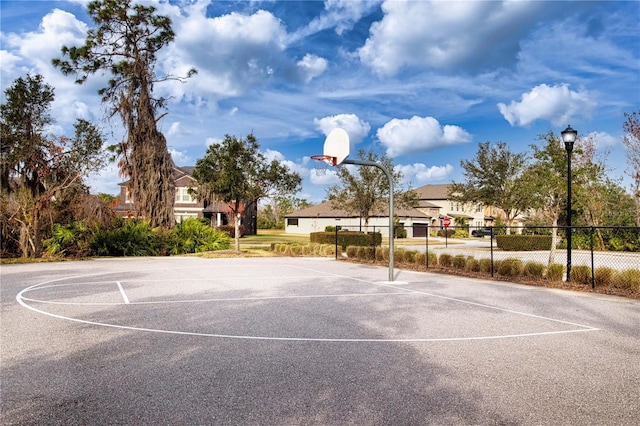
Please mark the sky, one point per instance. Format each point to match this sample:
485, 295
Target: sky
422, 81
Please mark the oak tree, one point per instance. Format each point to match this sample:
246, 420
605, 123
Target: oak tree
39, 168
494, 178
365, 189
236, 173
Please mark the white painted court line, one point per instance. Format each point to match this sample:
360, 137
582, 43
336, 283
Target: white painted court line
124, 295
226, 299
403, 291
453, 299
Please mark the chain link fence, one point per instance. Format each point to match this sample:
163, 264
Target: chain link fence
598, 255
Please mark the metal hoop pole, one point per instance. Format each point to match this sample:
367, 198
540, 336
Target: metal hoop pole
386, 172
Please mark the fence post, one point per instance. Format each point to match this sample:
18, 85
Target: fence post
336, 232
373, 241
426, 248
491, 248
593, 269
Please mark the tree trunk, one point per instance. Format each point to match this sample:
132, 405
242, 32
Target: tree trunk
554, 241
236, 224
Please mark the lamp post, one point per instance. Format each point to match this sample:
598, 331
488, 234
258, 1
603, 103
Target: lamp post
569, 136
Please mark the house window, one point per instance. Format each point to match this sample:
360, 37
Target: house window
479, 208
292, 221
183, 196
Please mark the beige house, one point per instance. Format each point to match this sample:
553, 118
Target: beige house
433, 207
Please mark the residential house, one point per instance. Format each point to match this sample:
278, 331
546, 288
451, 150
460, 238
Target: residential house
186, 206
434, 205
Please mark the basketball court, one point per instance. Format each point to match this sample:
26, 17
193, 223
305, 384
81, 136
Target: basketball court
185, 340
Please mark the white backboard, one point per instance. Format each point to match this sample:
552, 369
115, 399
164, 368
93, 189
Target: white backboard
337, 145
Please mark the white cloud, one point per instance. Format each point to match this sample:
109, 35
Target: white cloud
271, 155
419, 134
603, 140
233, 53
357, 128
106, 181
557, 104
311, 66
213, 141
174, 129
180, 158
420, 174
36, 49
436, 34
339, 14
324, 177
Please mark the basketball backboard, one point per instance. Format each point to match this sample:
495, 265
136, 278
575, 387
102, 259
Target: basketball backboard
337, 145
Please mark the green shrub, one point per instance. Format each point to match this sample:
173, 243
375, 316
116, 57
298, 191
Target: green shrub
132, 238
523, 242
328, 249
534, 270
420, 259
398, 255
555, 271
446, 260
196, 236
433, 259
385, 253
352, 252
461, 233
347, 238
511, 267
581, 274
603, 276
69, 241
472, 265
459, 261
629, 279
410, 256
485, 265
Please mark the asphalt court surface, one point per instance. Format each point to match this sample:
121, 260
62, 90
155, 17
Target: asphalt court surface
307, 341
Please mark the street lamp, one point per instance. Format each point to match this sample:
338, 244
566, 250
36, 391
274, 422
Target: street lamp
569, 136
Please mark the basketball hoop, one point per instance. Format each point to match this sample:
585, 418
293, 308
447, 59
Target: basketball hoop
323, 162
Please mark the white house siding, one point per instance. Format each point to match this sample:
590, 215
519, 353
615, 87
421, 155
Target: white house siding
307, 225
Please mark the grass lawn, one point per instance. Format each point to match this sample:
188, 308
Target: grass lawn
268, 236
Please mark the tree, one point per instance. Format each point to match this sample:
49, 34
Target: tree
125, 44
237, 173
631, 140
365, 189
272, 215
547, 180
494, 178
37, 168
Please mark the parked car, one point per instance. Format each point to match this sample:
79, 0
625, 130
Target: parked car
481, 232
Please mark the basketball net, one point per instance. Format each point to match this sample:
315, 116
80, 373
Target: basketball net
322, 163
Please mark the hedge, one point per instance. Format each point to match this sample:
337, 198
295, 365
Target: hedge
523, 242
347, 238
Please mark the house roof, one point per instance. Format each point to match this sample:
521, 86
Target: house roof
326, 210
433, 192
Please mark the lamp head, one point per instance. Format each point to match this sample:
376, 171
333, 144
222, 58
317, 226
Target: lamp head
569, 136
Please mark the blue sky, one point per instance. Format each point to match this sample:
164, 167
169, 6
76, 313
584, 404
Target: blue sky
423, 81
